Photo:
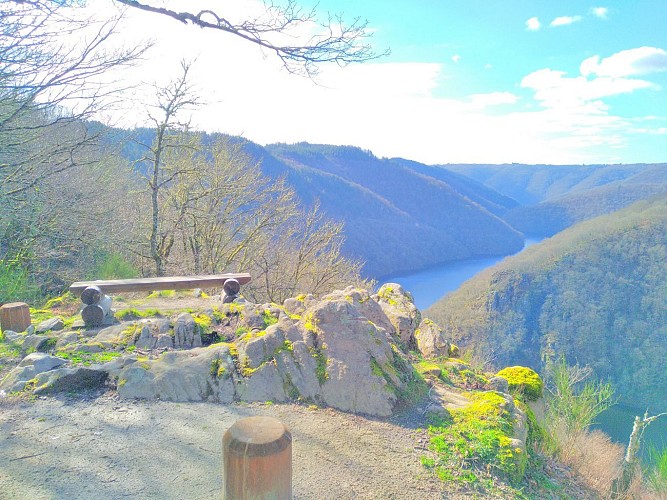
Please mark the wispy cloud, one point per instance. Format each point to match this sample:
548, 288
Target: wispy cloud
639, 61
456, 58
533, 24
600, 12
565, 20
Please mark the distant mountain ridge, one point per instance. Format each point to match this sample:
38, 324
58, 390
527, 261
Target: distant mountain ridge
554, 197
402, 216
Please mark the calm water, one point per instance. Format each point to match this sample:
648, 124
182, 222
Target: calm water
617, 422
429, 285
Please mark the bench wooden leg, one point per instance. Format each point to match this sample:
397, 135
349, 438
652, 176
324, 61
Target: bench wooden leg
231, 290
97, 308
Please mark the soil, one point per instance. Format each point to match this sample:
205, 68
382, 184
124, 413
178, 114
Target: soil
97, 446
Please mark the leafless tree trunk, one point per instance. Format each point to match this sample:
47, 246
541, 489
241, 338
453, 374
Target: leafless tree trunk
631, 460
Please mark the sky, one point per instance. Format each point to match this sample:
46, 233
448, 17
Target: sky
467, 81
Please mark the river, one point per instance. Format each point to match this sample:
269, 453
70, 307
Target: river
429, 285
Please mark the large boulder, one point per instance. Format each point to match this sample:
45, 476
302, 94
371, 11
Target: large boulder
354, 359
431, 340
26, 371
70, 379
367, 307
400, 308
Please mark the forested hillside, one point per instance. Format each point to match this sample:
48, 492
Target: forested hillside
596, 293
414, 220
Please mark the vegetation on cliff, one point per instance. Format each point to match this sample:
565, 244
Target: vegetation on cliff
594, 293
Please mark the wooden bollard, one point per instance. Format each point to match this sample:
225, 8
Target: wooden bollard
257, 460
15, 316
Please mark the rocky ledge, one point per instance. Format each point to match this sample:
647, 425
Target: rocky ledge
347, 350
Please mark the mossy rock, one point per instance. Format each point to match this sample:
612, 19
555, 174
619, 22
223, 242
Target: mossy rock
523, 382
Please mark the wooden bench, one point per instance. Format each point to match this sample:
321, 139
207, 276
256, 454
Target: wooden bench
98, 303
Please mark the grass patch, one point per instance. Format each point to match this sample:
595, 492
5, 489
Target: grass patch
9, 350
321, 368
132, 313
161, 293
88, 358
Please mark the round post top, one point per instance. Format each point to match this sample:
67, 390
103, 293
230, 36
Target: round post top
257, 436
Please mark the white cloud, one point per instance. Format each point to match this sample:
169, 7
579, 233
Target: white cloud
480, 101
554, 89
639, 61
533, 24
565, 20
600, 12
456, 58
392, 109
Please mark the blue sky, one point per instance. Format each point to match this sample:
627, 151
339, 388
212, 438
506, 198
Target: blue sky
467, 81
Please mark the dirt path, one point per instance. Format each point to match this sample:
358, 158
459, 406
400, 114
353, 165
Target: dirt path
102, 448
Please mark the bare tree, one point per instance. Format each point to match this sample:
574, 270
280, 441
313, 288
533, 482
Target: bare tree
48, 86
335, 41
631, 459
53, 77
303, 256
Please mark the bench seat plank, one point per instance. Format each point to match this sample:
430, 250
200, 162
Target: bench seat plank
163, 283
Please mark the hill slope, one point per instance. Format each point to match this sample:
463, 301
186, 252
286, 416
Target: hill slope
596, 293
415, 220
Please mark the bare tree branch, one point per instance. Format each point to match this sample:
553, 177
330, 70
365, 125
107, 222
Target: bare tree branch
336, 41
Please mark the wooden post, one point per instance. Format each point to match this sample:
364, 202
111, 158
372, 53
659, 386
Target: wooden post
15, 316
257, 460
94, 314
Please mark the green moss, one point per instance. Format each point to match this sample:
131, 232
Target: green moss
454, 351
523, 382
474, 439
241, 331
321, 368
64, 299
268, 318
217, 369
310, 323
286, 346
376, 369
246, 371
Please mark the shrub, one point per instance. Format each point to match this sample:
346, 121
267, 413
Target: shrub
113, 265
523, 382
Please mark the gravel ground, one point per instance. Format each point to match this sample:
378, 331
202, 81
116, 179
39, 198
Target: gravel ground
99, 447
